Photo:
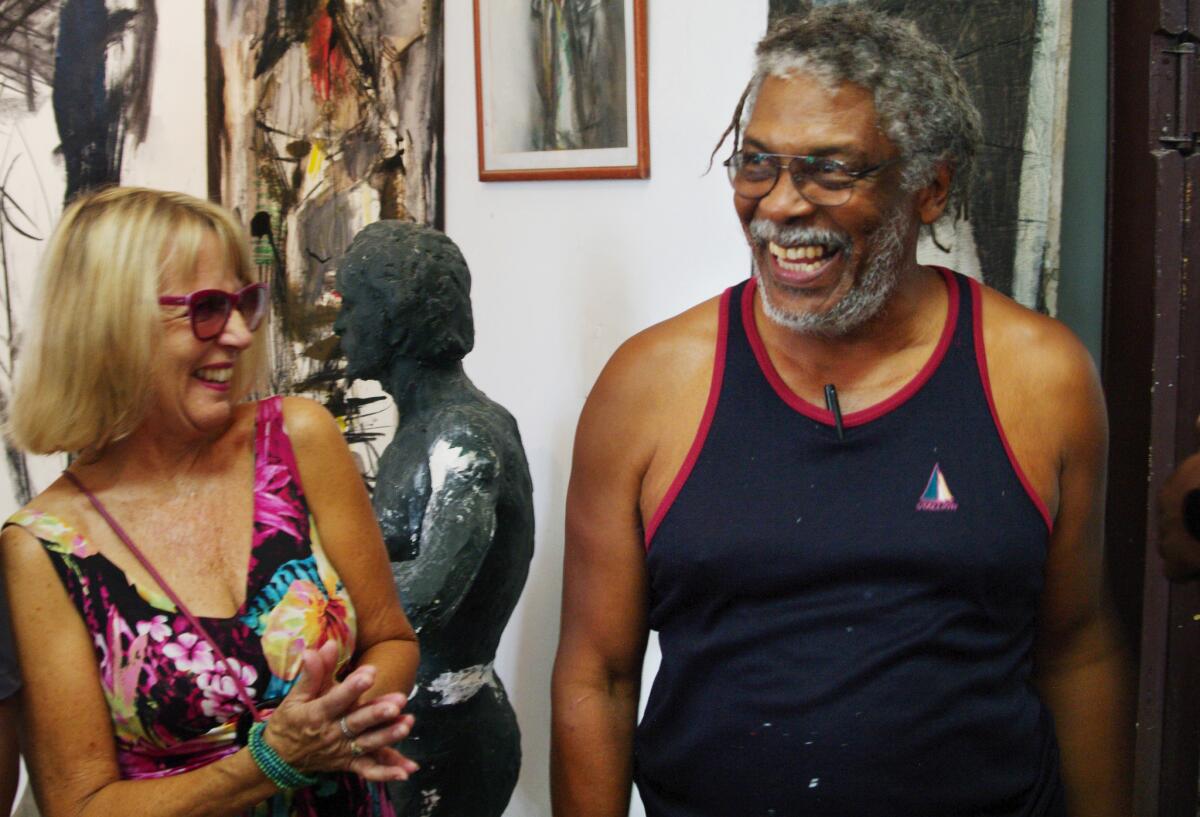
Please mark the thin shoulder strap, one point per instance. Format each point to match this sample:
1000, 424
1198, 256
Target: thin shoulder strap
267, 413
179, 605
272, 440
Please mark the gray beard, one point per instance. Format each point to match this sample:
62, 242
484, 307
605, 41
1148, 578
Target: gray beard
884, 253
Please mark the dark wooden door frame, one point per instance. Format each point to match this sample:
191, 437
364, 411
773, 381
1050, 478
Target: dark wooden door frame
1151, 369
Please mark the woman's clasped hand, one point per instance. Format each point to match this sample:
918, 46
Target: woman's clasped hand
319, 727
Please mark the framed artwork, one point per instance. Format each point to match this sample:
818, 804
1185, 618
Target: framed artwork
323, 117
560, 89
1014, 56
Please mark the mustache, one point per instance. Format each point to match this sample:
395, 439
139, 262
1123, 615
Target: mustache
763, 230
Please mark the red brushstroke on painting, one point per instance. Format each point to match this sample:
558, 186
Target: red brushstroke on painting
325, 59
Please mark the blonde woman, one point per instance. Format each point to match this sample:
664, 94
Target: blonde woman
202, 606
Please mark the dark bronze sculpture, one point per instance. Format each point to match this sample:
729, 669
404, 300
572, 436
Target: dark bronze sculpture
453, 497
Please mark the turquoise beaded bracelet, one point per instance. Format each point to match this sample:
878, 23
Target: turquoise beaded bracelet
279, 771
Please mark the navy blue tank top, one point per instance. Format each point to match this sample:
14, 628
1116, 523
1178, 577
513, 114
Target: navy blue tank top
846, 625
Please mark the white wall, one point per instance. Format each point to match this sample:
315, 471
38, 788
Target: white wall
565, 271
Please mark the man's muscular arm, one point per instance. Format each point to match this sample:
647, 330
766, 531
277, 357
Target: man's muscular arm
1079, 667
597, 671
633, 436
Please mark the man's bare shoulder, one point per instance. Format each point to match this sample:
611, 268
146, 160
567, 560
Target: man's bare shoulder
655, 383
667, 356
1039, 351
1045, 386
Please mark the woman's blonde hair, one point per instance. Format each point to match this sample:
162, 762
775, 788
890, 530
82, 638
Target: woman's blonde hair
86, 377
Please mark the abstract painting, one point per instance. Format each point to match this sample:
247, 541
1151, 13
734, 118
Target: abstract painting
75, 82
1014, 56
561, 89
324, 116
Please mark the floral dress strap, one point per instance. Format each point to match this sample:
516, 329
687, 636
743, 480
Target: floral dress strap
53, 533
67, 544
271, 441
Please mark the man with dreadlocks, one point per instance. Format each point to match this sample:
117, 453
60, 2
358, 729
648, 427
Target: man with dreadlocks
860, 499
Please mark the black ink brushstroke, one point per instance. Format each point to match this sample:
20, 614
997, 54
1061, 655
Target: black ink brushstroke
18, 465
27, 31
287, 24
93, 110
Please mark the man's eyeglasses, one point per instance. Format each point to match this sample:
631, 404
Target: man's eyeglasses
209, 309
821, 181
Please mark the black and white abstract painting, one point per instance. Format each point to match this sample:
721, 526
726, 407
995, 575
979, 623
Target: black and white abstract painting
1014, 56
75, 83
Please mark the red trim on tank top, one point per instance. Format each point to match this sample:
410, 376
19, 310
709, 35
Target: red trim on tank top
870, 413
981, 360
710, 410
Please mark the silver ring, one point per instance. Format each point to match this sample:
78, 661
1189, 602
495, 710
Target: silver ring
355, 749
350, 736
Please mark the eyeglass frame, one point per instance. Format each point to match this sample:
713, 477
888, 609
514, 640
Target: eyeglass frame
231, 299
855, 175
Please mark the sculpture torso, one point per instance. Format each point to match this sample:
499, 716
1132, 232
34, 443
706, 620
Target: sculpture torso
454, 501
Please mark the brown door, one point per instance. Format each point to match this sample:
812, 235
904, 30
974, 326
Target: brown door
1151, 364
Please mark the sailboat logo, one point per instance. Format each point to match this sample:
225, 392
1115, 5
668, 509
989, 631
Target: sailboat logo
937, 496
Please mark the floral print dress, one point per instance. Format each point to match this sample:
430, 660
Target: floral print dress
174, 703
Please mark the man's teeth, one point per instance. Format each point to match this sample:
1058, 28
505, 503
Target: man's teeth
221, 375
804, 252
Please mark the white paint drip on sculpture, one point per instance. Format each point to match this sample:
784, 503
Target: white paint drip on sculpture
445, 459
456, 687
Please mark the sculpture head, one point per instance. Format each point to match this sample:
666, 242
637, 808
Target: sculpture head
406, 294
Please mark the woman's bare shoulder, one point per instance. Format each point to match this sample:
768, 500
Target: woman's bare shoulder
308, 421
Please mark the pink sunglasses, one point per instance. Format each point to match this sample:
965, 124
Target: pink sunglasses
209, 309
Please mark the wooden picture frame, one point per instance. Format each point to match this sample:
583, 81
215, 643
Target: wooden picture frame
576, 110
